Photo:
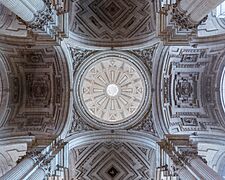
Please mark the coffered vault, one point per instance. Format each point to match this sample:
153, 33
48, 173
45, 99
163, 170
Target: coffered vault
112, 89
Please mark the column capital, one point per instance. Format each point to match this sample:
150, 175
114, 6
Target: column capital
35, 155
176, 26
183, 20
179, 149
41, 18
46, 166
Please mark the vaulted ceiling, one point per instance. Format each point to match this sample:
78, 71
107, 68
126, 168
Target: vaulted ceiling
47, 90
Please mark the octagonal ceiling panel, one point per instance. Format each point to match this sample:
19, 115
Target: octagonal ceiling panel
110, 23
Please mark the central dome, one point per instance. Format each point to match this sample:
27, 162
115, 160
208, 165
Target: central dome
112, 88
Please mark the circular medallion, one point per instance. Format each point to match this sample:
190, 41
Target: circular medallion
112, 89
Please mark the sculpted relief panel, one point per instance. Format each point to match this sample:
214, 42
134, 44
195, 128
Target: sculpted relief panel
39, 89
104, 22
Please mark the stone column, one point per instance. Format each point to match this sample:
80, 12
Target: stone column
205, 171
19, 8
198, 9
177, 23
184, 155
39, 174
35, 5
184, 174
35, 14
19, 170
38, 5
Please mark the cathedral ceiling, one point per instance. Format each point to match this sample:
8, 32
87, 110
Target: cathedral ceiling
106, 23
179, 89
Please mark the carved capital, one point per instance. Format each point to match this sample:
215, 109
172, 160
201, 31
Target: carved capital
46, 166
183, 20
35, 155
41, 19
175, 26
179, 149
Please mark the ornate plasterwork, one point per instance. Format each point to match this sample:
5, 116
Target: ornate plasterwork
112, 88
146, 125
112, 160
80, 56
110, 23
